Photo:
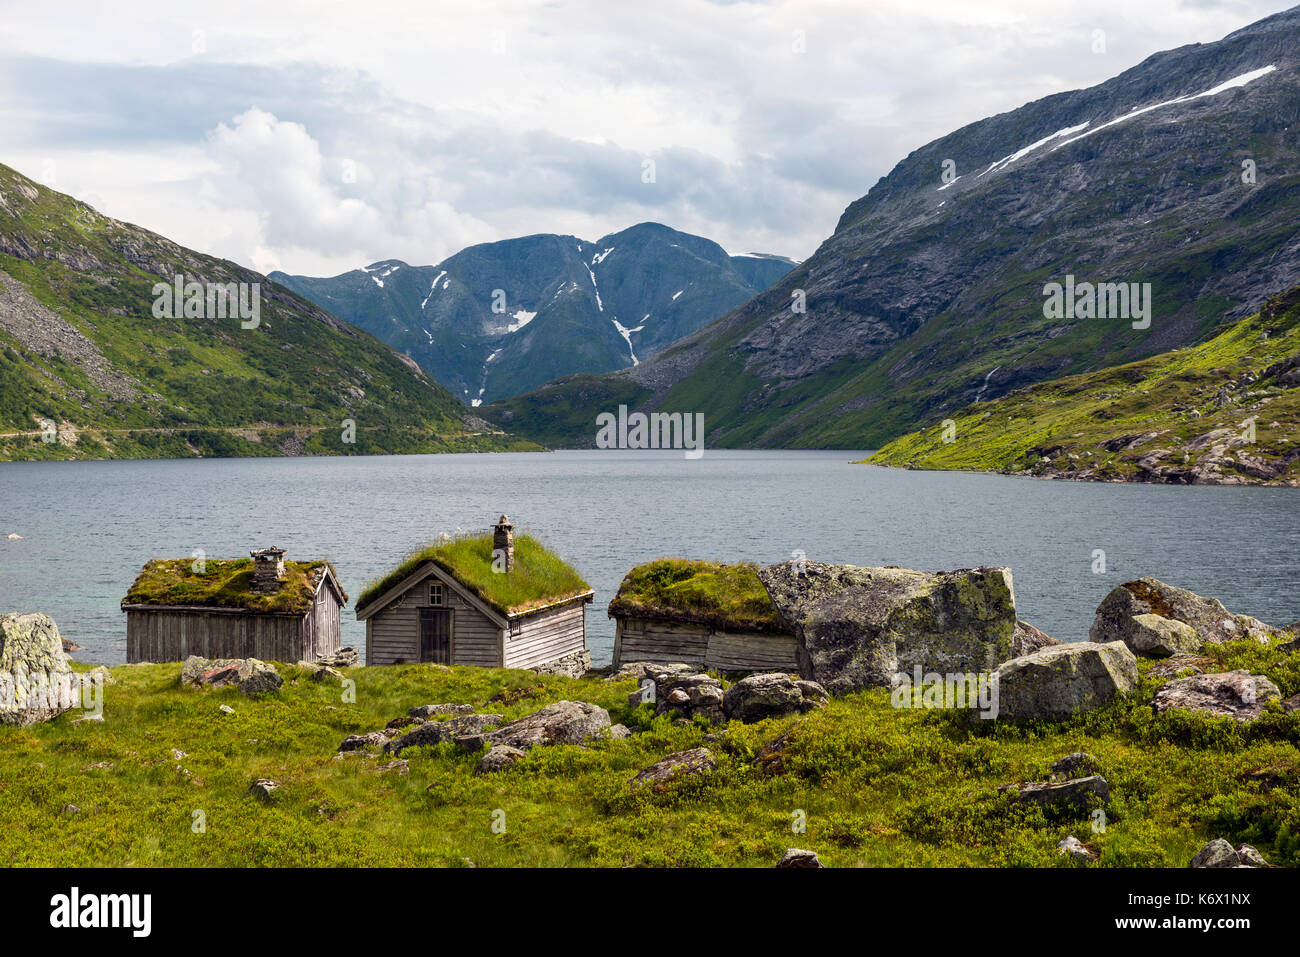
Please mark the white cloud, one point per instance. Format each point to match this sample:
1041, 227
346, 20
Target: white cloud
227, 126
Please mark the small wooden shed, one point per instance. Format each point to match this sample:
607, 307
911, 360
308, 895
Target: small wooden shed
706, 614
256, 607
486, 599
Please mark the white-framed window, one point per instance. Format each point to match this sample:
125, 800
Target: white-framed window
435, 593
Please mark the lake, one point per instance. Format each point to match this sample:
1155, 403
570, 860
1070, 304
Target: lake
88, 527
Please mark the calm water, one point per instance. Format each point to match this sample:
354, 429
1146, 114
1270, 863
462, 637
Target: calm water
87, 527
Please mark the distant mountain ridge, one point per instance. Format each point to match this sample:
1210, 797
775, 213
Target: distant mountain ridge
94, 363
497, 319
930, 291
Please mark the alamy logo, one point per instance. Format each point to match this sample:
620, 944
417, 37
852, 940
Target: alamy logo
658, 430
209, 300
955, 690
73, 910
1103, 300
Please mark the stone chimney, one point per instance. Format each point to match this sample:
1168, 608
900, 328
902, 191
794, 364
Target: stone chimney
503, 542
268, 570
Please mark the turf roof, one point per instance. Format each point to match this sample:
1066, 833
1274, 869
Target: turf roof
729, 597
226, 583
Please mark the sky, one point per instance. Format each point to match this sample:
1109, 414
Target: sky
319, 137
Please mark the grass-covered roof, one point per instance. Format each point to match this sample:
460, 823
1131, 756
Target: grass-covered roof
698, 592
227, 583
539, 577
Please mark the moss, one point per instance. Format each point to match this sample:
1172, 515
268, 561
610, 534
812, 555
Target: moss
538, 577
225, 584
698, 592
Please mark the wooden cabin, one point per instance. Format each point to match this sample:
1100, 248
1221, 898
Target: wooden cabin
484, 600
256, 607
704, 614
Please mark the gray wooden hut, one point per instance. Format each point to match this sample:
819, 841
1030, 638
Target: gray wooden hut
257, 607
655, 622
479, 600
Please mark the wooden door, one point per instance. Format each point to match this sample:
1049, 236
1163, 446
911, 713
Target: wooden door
435, 635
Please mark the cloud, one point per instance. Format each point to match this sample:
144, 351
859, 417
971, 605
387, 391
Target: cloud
409, 130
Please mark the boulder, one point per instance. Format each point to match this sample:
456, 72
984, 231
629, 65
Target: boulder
343, 658
695, 762
640, 669
1233, 694
1180, 666
859, 627
1131, 613
37, 682
431, 710
771, 756
771, 696
325, 673
1076, 849
1077, 794
263, 789
502, 756
439, 732
1062, 680
798, 858
401, 766
1077, 765
250, 675
359, 742
565, 722
620, 731
1027, 639
1219, 853
690, 694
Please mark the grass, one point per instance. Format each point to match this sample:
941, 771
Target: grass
224, 584
538, 576
1162, 402
708, 593
877, 786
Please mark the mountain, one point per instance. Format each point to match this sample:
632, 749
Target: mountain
1182, 417
930, 292
99, 358
501, 318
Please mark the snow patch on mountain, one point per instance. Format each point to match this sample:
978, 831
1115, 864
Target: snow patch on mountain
434, 288
626, 333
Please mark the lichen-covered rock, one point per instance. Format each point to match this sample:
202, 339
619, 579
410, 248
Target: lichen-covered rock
343, 658
695, 762
1233, 694
690, 694
439, 732
1063, 680
1180, 666
263, 789
359, 742
770, 696
860, 627
798, 858
1027, 639
37, 682
250, 675
1219, 853
1076, 849
1076, 765
1132, 611
565, 722
1076, 794
325, 673
502, 756
432, 710
771, 757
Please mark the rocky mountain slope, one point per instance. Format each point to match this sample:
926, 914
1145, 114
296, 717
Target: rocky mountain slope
1182, 173
501, 318
1223, 413
95, 361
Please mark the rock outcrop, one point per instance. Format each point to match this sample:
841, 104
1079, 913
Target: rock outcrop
1076, 794
497, 759
796, 858
429, 733
771, 696
693, 763
1157, 620
860, 627
1062, 680
1233, 694
250, 675
689, 693
565, 722
1219, 853
37, 682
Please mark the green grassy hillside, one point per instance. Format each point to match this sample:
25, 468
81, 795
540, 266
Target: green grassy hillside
82, 348
1183, 416
877, 785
